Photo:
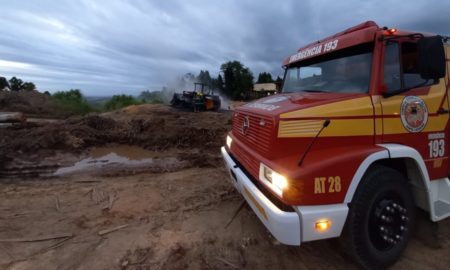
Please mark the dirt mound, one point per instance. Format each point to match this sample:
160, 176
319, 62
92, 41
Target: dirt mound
32, 103
155, 128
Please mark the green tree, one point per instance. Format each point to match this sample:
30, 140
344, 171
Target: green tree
264, 77
238, 79
73, 101
72, 94
217, 84
4, 84
230, 84
279, 83
120, 101
15, 84
204, 77
152, 97
28, 86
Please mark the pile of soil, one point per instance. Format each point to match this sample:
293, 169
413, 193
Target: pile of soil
31, 103
153, 127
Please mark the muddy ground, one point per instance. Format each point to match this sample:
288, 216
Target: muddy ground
110, 211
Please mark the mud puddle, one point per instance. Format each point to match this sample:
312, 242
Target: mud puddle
122, 158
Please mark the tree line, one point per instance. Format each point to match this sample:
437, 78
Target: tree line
233, 81
16, 84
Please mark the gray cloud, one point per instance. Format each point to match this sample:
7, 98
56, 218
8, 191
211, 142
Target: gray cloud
125, 46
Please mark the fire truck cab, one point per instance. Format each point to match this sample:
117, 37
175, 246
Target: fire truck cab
356, 140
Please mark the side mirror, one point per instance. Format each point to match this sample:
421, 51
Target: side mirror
431, 58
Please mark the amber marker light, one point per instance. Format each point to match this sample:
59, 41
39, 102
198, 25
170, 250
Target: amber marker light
392, 30
323, 225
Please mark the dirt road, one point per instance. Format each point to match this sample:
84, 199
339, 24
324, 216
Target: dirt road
168, 214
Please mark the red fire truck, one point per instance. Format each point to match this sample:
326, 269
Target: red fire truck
357, 139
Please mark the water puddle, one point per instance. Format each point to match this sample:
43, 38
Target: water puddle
126, 151
121, 157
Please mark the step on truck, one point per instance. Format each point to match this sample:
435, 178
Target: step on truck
356, 140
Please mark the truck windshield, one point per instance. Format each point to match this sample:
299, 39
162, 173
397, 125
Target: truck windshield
344, 71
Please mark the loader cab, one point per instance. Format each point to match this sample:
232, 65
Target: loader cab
202, 89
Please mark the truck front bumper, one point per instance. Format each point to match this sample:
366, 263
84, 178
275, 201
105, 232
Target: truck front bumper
284, 226
289, 228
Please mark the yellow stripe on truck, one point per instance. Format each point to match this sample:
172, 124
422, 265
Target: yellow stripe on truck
391, 105
337, 127
357, 106
353, 127
434, 123
256, 203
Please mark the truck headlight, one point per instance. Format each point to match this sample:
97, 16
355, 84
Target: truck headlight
229, 141
276, 181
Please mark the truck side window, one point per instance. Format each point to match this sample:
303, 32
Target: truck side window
407, 74
411, 76
392, 67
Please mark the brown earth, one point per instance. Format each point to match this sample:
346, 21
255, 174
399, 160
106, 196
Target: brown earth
31, 103
170, 215
153, 127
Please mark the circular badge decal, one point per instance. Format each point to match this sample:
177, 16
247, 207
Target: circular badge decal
414, 113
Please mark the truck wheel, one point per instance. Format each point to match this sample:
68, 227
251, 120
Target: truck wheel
381, 218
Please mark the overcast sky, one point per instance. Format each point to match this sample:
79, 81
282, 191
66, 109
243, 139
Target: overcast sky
126, 46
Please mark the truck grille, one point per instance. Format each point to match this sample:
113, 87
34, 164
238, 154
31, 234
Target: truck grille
258, 134
249, 162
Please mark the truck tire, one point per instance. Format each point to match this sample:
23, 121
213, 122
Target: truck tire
381, 218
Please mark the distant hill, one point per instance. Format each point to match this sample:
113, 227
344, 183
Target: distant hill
97, 102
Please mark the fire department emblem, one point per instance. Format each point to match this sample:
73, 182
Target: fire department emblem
414, 113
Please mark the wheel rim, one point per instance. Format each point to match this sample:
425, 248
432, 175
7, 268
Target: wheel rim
388, 222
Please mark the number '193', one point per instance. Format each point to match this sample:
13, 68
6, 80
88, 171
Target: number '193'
437, 148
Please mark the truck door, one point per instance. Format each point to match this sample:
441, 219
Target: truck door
417, 117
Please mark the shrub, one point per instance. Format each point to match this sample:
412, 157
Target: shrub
73, 101
152, 97
120, 101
